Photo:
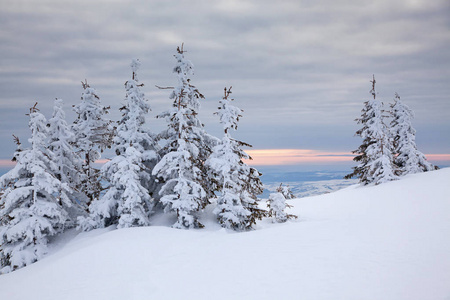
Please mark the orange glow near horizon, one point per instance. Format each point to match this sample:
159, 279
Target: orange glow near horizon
438, 157
7, 163
273, 157
102, 161
269, 157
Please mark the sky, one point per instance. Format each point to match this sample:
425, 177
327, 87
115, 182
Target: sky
300, 70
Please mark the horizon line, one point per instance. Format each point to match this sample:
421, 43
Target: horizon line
275, 157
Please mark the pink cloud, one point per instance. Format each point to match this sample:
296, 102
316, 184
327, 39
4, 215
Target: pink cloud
7, 163
267, 157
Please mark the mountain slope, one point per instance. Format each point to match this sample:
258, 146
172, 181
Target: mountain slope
384, 242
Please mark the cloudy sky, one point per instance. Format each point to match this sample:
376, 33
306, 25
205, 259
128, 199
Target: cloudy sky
299, 69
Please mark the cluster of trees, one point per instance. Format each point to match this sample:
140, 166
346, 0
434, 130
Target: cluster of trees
55, 185
387, 151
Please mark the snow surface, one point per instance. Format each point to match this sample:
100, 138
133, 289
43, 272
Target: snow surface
379, 242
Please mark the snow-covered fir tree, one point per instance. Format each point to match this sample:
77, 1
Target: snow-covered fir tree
408, 158
286, 191
66, 161
239, 184
132, 131
93, 133
375, 154
185, 189
127, 201
32, 202
277, 204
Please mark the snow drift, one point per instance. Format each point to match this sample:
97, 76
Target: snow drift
381, 242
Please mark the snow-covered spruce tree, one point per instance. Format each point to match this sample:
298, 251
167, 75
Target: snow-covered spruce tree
33, 201
186, 145
375, 154
93, 133
237, 204
408, 158
277, 204
66, 161
132, 131
127, 201
286, 191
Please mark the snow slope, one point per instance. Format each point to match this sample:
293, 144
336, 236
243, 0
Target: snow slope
385, 242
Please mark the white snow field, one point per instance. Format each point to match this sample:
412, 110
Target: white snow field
390, 241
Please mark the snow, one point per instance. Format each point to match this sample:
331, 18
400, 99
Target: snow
185, 188
237, 183
30, 206
127, 200
375, 242
409, 159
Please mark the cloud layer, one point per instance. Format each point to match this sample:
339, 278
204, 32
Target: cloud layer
299, 69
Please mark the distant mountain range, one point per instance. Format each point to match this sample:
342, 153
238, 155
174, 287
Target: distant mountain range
305, 184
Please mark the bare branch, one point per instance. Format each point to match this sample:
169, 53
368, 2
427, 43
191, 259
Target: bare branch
16, 140
227, 93
165, 88
181, 51
85, 84
372, 91
33, 109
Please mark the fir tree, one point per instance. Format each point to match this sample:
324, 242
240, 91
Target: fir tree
93, 134
33, 201
408, 158
286, 191
277, 204
127, 201
181, 171
67, 163
375, 154
237, 204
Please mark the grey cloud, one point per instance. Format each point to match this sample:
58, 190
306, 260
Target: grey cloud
299, 69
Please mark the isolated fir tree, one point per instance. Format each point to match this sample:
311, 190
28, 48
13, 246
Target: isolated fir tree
93, 133
127, 201
375, 154
185, 188
286, 191
237, 203
408, 158
33, 201
67, 163
277, 204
